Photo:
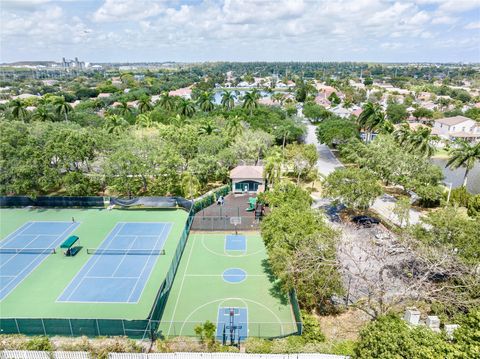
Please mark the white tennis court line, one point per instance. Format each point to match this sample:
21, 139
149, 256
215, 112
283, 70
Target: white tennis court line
60, 236
86, 276
85, 265
181, 285
160, 236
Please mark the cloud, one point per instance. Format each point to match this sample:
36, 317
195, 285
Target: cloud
128, 10
473, 25
232, 29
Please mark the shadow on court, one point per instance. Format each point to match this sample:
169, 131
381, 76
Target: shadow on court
276, 289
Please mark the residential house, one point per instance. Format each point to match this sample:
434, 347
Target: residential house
457, 127
185, 92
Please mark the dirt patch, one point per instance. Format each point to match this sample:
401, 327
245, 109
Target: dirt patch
344, 326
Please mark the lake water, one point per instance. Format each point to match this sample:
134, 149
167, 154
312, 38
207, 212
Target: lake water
456, 176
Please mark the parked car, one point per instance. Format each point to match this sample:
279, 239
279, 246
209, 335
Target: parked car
365, 221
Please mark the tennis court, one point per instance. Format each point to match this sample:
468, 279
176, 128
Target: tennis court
93, 284
224, 273
118, 270
26, 248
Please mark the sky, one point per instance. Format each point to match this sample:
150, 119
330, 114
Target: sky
240, 30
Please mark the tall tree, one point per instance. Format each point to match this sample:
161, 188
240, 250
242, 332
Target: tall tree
185, 108
166, 101
19, 110
43, 114
125, 109
63, 108
205, 101
228, 100
371, 119
464, 154
115, 124
145, 104
234, 126
250, 100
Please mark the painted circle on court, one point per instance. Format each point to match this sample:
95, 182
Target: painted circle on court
234, 275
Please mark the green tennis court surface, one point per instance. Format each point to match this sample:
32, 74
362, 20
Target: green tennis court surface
37, 293
218, 274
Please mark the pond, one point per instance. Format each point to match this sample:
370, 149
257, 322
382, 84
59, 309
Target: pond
456, 176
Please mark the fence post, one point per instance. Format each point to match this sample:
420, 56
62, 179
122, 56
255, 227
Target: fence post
43, 326
98, 327
71, 328
16, 324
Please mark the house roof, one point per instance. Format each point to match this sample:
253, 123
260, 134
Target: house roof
450, 121
247, 172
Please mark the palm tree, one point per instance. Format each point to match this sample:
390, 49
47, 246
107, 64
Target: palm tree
144, 120
205, 101
250, 100
273, 168
207, 128
145, 104
372, 118
19, 110
63, 108
185, 108
43, 114
166, 101
420, 142
228, 100
125, 109
115, 124
278, 97
234, 126
464, 154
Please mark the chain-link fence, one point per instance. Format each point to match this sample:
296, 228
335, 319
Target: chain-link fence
253, 329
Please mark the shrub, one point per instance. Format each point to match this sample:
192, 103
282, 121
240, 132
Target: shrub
40, 343
460, 196
257, 345
474, 206
312, 333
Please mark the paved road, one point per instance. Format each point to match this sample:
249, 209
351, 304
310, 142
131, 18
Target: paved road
327, 163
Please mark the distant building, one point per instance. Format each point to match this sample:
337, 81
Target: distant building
72, 64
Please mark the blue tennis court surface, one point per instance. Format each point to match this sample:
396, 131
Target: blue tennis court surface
32, 236
119, 278
235, 242
229, 326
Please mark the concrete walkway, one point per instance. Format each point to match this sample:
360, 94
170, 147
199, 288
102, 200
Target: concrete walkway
327, 163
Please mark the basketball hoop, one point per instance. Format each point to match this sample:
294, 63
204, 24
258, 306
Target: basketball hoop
236, 221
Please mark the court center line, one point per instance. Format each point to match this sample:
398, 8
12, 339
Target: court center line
35, 262
14, 234
108, 240
168, 225
145, 264
124, 256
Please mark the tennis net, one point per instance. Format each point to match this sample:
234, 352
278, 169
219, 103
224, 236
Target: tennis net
141, 252
27, 250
